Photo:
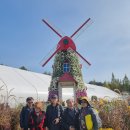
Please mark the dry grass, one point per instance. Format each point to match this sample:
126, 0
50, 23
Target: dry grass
9, 117
114, 114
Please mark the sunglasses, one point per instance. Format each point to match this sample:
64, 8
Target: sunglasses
30, 102
83, 102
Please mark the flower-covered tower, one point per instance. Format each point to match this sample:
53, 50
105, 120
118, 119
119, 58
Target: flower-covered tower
66, 68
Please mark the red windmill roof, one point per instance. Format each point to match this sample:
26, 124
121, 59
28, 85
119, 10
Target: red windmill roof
66, 77
66, 43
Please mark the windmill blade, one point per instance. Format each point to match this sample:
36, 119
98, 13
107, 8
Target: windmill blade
83, 58
49, 56
80, 28
52, 28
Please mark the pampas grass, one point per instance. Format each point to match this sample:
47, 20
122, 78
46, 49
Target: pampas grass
114, 114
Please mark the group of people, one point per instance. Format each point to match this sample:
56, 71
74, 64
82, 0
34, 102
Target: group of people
32, 116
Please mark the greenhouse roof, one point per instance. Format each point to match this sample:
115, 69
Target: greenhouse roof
26, 83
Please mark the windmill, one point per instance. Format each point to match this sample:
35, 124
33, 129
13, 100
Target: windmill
66, 68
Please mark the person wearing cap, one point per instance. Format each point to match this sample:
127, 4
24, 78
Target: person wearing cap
88, 119
54, 113
70, 118
37, 117
25, 112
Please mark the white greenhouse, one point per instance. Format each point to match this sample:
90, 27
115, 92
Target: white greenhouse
17, 84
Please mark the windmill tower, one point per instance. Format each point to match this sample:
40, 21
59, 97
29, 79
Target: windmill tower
66, 68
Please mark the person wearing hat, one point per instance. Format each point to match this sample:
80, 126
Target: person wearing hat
70, 119
54, 113
88, 119
24, 115
37, 117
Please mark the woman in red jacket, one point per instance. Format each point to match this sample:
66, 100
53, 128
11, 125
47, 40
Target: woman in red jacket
37, 117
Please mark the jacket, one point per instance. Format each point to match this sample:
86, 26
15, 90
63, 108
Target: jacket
37, 122
24, 117
53, 112
83, 114
70, 118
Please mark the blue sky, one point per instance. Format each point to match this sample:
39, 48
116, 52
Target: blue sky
25, 40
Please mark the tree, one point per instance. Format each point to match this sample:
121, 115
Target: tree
106, 84
47, 73
23, 68
96, 83
121, 85
126, 83
115, 83
113, 78
92, 82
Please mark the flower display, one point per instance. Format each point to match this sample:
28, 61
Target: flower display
70, 57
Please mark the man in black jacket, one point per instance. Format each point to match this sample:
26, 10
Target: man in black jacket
24, 115
54, 113
70, 118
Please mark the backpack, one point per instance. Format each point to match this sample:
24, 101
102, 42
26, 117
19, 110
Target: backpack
99, 121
